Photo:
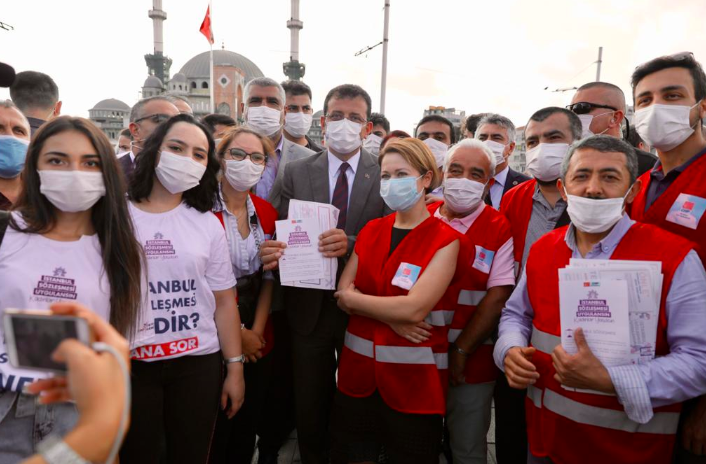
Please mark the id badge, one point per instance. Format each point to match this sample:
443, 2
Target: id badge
483, 260
406, 276
687, 210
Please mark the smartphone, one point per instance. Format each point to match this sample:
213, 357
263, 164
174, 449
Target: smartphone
32, 336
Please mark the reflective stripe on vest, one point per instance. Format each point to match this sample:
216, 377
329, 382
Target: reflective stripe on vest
470, 297
544, 341
662, 423
358, 345
411, 355
439, 318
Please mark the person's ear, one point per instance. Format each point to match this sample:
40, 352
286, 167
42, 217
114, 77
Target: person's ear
617, 118
634, 190
562, 189
57, 109
366, 130
134, 130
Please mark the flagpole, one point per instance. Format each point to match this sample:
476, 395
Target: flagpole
212, 86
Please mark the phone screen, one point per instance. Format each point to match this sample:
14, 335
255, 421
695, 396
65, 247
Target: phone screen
37, 338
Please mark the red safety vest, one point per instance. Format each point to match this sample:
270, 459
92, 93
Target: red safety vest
411, 378
479, 245
669, 207
517, 207
573, 427
266, 215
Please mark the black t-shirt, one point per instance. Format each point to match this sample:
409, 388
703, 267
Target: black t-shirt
397, 236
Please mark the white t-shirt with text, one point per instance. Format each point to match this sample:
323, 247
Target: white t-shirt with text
187, 260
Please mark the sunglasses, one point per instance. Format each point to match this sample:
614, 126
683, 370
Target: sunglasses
157, 118
239, 155
586, 107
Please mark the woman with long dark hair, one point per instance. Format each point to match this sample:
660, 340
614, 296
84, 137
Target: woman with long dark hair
70, 237
177, 376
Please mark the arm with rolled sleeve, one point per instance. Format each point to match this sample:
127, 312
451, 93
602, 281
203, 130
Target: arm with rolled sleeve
515, 323
681, 374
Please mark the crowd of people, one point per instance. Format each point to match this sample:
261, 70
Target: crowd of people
447, 297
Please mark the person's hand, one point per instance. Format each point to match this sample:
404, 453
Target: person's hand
429, 199
94, 381
233, 389
333, 243
519, 370
344, 297
270, 253
583, 369
415, 333
253, 344
457, 367
693, 432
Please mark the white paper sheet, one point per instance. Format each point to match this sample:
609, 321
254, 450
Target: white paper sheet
302, 258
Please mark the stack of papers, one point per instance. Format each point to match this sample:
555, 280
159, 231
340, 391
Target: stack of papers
616, 303
302, 265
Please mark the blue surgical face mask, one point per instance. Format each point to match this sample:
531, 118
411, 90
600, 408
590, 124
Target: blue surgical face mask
400, 194
13, 152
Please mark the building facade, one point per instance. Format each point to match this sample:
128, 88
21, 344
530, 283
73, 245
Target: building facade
111, 116
456, 117
518, 158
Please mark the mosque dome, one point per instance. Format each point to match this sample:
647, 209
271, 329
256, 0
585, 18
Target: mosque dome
152, 82
198, 66
178, 77
111, 104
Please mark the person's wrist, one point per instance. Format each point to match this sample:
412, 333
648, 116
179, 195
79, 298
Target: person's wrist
93, 439
235, 368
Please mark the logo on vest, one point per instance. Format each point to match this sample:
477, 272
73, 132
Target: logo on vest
406, 276
484, 259
55, 286
298, 237
687, 211
593, 306
159, 247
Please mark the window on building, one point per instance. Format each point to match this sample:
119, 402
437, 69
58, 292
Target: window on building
193, 85
179, 86
204, 85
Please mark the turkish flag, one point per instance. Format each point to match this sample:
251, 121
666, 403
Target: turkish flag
206, 26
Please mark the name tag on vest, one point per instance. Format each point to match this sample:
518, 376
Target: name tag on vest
406, 276
687, 211
483, 260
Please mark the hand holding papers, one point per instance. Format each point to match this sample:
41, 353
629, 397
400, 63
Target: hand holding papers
301, 259
616, 303
326, 216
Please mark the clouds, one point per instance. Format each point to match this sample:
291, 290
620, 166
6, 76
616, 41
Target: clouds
475, 56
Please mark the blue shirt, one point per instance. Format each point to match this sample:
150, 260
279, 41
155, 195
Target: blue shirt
669, 379
267, 181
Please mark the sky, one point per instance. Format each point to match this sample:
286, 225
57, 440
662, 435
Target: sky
476, 56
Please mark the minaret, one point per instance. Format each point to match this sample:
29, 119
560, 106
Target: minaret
157, 63
293, 69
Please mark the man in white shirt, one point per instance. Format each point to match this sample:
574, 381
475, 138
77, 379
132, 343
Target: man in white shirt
498, 132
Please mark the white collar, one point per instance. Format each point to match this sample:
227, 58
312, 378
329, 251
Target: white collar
334, 163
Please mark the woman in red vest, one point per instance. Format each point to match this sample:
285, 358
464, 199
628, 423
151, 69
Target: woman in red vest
248, 221
392, 375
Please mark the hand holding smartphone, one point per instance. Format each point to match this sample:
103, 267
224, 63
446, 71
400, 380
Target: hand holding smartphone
32, 336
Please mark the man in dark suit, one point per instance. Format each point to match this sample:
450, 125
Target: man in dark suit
601, 108
498, 132
348, 177
145, 116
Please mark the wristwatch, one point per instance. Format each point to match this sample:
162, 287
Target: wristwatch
54, 450
237, 359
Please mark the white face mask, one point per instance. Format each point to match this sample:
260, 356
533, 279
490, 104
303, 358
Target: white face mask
544, 160
243, 174
439, 150
594, 216
178, 173
264, 120
72, 191
372, 144
463, 195
586, 120
343, 136
498, 149
297, 124
664, 126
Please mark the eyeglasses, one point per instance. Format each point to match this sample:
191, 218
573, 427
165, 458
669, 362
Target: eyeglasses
340, 117
157, 118
239, 155
586, 107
